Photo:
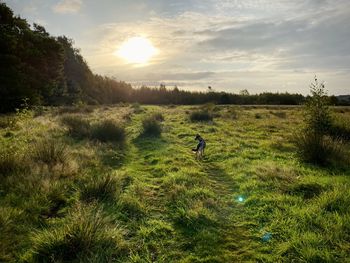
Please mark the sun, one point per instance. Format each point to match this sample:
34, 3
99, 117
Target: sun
137, 50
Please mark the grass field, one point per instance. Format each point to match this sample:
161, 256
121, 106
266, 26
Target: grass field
77, 195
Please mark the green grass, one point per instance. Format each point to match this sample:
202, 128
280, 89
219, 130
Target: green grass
251, 199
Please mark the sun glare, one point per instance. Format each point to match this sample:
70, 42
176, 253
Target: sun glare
137, 50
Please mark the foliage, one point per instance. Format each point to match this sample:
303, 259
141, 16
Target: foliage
317, 113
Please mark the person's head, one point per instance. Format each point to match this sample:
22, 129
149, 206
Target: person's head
198, 137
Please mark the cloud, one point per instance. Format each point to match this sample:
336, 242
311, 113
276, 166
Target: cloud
67, 6
276, 46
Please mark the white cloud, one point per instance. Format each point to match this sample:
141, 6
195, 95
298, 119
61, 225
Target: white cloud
67, 6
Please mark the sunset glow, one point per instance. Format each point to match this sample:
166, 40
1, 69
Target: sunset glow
137, 50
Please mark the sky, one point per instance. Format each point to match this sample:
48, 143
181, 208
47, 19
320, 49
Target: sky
230, 45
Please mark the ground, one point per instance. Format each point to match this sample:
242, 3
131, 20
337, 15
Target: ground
149, 200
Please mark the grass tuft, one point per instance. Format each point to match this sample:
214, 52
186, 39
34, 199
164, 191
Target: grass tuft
108, 131
151, 127
86, 237
201, 115
78, 127
101, 188
50, 152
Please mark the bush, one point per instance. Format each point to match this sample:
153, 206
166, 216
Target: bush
102, 188
151, 127
86, 237
77, 126
202, 115
50, 152
317, 149
136, 108
108, 131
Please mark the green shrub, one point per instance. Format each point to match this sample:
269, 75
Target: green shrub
151, 127
86, 237
78, 127
108, 131
317, 149
102, 188
50, 152
201, 115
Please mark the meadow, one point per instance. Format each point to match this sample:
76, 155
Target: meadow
121, 184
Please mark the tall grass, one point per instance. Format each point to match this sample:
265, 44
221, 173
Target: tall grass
201, 115
50, 152
108, 131
151, 127
101, 188
87, 236
318, 149
78, 127
11, 162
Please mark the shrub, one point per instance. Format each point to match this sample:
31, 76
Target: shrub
86, 237
108, 131
151, 127
50, 152
102, 188
317, 149
77, 126
201, 115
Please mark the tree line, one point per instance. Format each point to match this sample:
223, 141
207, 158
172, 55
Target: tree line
46, 70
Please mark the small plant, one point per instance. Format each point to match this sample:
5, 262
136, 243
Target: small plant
258, 116
201, 115
313, 144
151, 127
50, 152
108, 131
77, 126
102, 188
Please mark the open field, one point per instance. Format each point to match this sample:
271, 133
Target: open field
76, 195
